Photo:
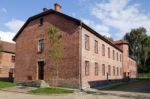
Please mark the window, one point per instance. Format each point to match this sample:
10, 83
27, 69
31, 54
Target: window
41, 22
113, 55
41, 45
96, 46
87, 68
114, 70
108, 52
109, 70
12, 58
11, 70
103, 49
117, 71
0, 70
103, 69
120, 57
117, 56
87, 45
120, 71
96, 69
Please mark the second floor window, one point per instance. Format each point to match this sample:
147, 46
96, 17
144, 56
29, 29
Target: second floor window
103, 49
96, 46
87, 45
108, 52
113, 55
12, 58
87, 68
117, 56
120, 57
41, 22
41, 45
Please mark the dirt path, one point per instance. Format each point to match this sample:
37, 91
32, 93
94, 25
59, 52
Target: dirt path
12, 95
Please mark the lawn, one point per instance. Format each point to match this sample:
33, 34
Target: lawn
51, 91
4, 84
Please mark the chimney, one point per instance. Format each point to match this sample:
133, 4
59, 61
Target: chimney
45, 9
57, 7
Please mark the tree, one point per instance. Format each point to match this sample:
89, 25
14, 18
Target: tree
55, 52
139, 47
135, 38
108, 38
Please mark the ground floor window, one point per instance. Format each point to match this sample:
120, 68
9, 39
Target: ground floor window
96, 69
103, 69
109, 70
87, 68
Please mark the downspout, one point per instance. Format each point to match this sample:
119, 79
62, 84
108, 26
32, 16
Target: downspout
80, 56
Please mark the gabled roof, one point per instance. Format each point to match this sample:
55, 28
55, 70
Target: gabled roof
7, 47
79, 22
119, 42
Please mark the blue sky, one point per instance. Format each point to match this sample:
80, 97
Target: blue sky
108, 17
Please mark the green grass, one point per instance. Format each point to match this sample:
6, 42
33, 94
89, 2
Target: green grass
4, 84
51, 91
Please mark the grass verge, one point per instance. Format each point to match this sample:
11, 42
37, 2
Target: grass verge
51, 91
4, 84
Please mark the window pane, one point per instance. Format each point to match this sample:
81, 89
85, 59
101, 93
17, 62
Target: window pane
96, 46
103, 69
41, 45
109, 70
86, 68
108, 52
87, 42
103, 49
96, 69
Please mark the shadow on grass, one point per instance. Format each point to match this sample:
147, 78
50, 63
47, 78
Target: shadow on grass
140, 85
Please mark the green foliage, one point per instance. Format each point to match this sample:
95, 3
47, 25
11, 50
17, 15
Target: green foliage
108, 38
51, 91
139, 47
55, 50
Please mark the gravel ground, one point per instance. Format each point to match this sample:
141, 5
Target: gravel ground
13, 95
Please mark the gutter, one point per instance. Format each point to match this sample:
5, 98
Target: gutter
80, 56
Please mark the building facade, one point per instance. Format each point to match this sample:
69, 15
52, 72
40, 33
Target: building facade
88, 58
7, 60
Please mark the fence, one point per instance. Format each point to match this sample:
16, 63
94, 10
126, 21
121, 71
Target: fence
144, 75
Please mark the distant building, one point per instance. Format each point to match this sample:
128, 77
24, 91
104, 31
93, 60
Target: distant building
7, 61
88, 60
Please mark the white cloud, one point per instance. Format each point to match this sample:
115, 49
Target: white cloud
3, 10
121, 16
102, 29
6, 36
14, 25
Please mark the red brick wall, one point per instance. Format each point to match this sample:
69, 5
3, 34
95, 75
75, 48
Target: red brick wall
6, 64
27, 55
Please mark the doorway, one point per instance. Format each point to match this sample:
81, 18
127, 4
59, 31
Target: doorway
40, 70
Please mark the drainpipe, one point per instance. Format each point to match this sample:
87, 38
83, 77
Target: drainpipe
80, 57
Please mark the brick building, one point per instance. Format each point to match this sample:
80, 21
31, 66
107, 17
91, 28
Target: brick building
88, 58
7, 60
